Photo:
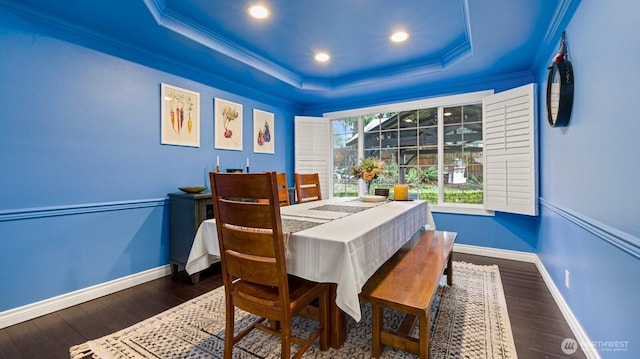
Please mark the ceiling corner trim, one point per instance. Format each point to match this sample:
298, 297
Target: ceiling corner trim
467, 22
562, 14
457, 53
172, 21
347, 82
465, 48
156, 7
559, 17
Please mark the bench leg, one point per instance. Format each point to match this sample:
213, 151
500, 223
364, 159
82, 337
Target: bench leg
376, 330
450, 270
423, 333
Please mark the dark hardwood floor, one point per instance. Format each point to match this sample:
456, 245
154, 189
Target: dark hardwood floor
536, 321
537, 324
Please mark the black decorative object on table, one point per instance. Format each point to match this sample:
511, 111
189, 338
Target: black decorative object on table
381, 192
193, 189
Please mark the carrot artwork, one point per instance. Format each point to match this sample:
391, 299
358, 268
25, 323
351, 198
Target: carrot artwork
177, 112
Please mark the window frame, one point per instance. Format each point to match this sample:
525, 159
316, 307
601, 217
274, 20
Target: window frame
434, 102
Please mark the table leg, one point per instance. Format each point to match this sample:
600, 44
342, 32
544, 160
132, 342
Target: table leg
337, 321
174, 270
195, 278
450, 269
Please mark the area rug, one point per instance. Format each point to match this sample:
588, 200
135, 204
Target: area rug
469, 320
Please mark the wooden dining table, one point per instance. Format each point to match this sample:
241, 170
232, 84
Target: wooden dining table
342, 241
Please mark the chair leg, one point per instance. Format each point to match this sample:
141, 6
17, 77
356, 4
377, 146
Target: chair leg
286, 339
229, 331
274, 324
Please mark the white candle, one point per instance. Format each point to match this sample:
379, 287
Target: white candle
247, 161
217, 160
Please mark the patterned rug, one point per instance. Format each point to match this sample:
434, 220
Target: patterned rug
469, 320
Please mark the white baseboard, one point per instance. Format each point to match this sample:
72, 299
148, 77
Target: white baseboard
496, 253
47, 306
581, 336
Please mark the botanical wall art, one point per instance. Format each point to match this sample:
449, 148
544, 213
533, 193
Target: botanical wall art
227, 124
263, 132
180, 116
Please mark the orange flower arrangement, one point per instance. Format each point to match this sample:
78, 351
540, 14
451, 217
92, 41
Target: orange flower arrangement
368, 169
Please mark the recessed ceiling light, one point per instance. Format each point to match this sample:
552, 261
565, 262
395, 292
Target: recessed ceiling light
322, 57
258, 11
399, 36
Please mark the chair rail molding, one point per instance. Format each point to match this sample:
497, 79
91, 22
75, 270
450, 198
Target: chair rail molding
42, 212
622, 240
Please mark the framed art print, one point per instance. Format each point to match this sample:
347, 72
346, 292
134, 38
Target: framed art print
227, 124
263, 132
179, 116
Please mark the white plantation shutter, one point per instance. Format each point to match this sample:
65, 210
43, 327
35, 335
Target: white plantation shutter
510, 159
313, 149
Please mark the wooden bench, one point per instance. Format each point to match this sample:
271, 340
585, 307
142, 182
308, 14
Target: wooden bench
407, 283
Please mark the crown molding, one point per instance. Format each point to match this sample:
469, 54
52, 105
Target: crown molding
173, 21
67, 31
561, 17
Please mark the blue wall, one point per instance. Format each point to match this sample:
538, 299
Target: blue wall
589, 178
84, 177
503, 231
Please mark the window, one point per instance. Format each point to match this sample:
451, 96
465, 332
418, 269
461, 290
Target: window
462, 152
471, 153
411, 142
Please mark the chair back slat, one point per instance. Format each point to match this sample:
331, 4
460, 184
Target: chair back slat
246, 214
307, 187
283, 189
249, 241
261, 270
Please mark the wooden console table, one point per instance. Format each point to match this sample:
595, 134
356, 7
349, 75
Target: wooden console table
186, 212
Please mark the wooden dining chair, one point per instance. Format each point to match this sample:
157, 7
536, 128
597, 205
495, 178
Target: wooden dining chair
307, 187
283, 189
253, 263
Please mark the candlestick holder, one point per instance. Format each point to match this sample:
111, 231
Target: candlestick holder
247, 169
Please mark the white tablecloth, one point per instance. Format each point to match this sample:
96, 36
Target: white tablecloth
346, 248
